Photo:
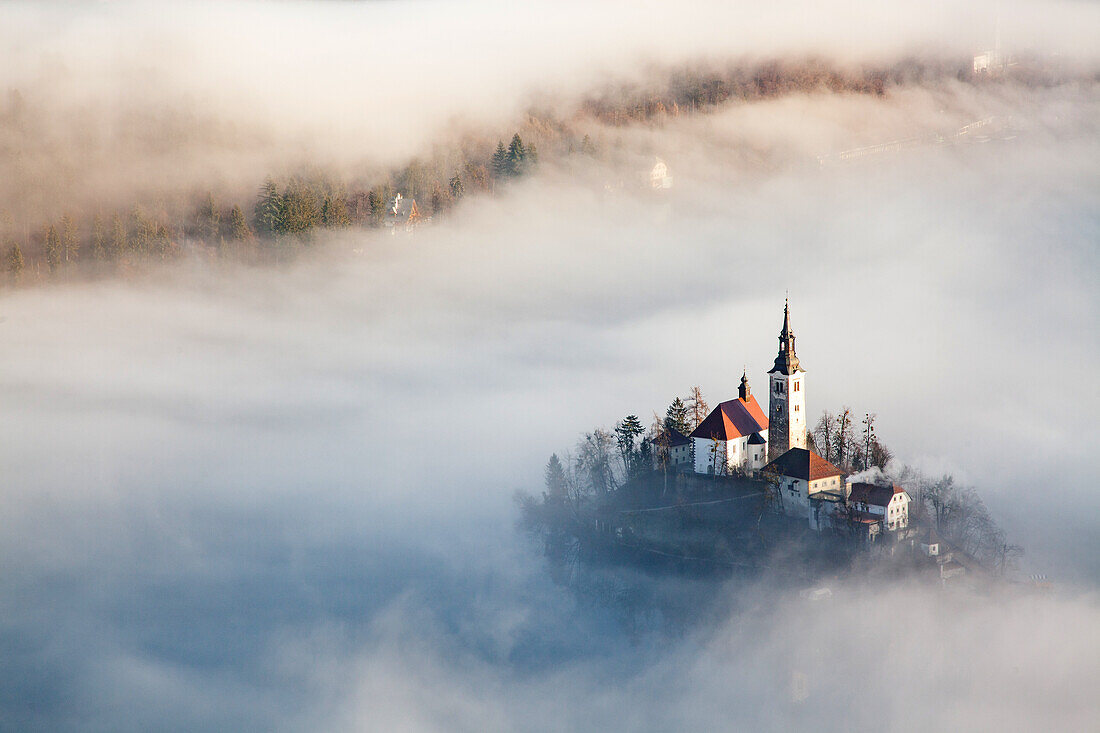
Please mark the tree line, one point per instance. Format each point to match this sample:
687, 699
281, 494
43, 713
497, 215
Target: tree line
282, 216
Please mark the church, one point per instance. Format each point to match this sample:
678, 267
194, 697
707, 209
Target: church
738, 437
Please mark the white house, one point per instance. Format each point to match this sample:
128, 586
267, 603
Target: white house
403, 215
659, 177
886, 504
808, 486
733, 437
673, 451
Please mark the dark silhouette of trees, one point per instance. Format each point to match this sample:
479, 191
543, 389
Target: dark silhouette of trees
53, 248
15, 262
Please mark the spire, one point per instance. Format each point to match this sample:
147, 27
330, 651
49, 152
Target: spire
743, 390
787, 360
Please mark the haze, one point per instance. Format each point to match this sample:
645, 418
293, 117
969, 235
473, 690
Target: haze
282, 498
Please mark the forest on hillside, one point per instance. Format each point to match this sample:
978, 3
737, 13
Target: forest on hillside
283, 212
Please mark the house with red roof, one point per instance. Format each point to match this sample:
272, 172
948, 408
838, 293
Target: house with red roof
882, 503
733, 437
808, 486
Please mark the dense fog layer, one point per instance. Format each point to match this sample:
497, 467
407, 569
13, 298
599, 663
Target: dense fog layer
257, 498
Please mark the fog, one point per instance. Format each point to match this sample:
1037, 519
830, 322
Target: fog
282, 498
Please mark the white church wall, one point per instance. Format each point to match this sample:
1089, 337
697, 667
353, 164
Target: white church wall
705, 459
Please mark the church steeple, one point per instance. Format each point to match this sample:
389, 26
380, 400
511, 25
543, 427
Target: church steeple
787, 360
787, 396
743, 390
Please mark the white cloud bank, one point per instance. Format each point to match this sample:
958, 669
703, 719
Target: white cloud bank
281, 498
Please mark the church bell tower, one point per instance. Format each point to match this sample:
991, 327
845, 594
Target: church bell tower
787, 401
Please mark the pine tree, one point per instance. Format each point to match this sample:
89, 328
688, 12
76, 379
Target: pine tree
99, 239
626, 432
300, 210
15, 262
53, 248
498, 165
556, 484
377, 206
458, 190
334, 213
119, 240
517, 157
532, 156
142, 232
439, 201
238, 226
676, 417
70, 245
210, 219
268, 212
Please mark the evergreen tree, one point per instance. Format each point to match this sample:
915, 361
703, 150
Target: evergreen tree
268, 212
334, 213
458, 190
210, 219
238, 226
676, 417
119, 240
142, 232
377, 206
15, 262
498, 164
532, 156
70, 245
300, 210
99, 239
626, 433
53, 248
556, 484
439, 201
517, 157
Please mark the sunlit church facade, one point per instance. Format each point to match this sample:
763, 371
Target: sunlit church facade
738, 437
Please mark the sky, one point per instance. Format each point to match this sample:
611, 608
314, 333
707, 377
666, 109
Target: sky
282, 498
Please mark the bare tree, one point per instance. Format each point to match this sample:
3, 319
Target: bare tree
843, 438
697, 407
824, 436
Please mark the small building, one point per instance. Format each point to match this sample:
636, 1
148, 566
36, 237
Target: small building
887, 503
672, 451
930, 544
805, 482
403, 215
733, 437
659, 178
679, 450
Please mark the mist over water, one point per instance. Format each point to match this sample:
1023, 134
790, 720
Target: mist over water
282, 498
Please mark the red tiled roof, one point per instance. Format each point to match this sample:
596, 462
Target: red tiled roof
732, 419
873, 494
803, 464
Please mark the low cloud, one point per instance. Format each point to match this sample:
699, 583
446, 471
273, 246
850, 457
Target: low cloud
282, 498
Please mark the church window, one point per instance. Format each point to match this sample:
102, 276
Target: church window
796, 384
796, 408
